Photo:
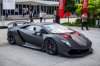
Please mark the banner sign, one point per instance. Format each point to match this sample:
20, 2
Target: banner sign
8, 4
68, 14
85, 7
61, 8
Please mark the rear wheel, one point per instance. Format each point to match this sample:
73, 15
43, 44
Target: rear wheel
11, 39
51, 47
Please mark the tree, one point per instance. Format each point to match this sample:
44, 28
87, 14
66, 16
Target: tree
69, 7
93, 8
79, 9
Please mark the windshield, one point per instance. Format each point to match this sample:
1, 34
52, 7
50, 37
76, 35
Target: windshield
56, 28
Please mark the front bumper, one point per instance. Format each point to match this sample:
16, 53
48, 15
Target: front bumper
77, 52
75, 49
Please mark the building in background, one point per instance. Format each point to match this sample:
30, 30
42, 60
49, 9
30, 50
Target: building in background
47, 6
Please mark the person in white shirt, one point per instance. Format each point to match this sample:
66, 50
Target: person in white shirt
41, 16
84, 21
31, 16
44, 16
24, 12
54, 18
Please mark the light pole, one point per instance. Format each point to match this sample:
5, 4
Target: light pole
0, 8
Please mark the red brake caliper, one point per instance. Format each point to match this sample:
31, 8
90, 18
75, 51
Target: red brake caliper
49, 46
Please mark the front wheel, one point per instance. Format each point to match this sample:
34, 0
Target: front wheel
11, 39
51, 46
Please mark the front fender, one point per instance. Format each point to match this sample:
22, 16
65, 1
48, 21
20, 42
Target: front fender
60, 45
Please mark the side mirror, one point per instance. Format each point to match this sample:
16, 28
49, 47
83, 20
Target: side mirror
15, 24
41, 31
34, 28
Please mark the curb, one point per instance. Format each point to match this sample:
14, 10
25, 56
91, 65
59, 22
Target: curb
3, 27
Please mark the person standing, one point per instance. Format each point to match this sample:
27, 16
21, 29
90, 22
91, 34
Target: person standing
16, 11
54, 18
84, 21
31, 16
44, 16
7, 13
57, 18
24, 12
33, 12
41, 16
27, 11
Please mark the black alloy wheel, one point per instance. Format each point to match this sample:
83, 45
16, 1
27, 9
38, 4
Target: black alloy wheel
51, 47
11, 39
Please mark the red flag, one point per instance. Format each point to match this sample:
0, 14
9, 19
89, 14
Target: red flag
61, 8
85, 7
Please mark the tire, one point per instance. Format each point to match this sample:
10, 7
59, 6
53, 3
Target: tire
51, 46
11, 39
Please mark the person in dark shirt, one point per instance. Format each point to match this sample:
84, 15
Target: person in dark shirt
57, 18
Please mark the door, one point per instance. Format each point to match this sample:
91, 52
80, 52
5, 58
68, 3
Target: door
37, 35
32, 35
27, 36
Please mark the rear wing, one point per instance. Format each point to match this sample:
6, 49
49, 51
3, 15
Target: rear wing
17, 23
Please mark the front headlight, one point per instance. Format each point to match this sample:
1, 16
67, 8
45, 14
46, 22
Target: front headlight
66, 42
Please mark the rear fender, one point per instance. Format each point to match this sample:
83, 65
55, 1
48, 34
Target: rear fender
19, 40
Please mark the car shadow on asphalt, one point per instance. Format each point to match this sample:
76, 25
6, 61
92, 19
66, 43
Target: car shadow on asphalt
60, 55
82, 56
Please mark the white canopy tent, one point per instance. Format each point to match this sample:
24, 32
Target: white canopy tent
38, 2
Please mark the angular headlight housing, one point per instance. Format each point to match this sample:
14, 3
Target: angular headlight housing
66, 42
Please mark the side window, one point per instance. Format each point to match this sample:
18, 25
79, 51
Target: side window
34, 28
38, 28
30, 28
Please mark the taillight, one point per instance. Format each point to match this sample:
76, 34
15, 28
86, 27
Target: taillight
77, 34
68, 36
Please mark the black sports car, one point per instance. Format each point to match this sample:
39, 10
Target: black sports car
50, 37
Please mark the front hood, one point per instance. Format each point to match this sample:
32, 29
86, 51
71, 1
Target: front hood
78, 42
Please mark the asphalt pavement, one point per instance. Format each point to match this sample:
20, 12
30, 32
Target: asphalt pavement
13, 55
